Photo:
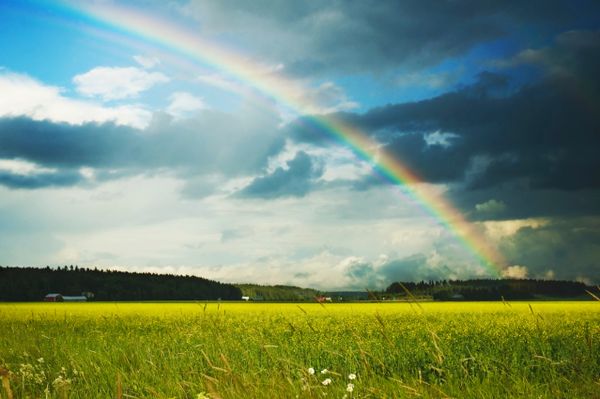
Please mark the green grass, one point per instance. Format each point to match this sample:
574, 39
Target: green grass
251, 350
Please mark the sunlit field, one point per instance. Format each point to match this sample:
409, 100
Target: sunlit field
260, 350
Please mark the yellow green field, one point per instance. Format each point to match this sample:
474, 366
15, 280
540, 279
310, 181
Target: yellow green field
253, 350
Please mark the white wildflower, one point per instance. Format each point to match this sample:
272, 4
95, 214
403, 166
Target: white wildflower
351, 376
41, 360
324, 371
350, 387
311, 371
61, 382
26, 370
326, 381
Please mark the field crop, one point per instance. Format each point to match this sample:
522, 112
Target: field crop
254, 350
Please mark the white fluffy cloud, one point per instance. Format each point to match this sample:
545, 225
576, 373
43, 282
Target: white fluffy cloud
21, 167
25, 96
115, 83
296, 241
183, 104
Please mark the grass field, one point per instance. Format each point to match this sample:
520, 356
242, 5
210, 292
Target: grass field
252, 350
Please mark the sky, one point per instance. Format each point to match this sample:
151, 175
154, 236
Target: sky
331, 144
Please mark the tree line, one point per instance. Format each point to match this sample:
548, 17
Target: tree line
491, 289
277, 293
32, 284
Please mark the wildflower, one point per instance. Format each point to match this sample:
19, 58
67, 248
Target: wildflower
351, 376
41, 360
326, 381
350, 387
324, 371
61, 382
311, 371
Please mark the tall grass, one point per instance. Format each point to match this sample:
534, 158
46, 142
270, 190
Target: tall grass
251, 350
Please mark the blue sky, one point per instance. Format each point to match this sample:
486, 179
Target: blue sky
119, 152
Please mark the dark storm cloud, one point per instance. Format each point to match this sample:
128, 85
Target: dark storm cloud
359, 36
213, 143
295, 181
519, 201
543, 134
39, 180
563, 249
68, 146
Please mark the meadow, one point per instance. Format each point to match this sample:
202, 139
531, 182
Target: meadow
260, 350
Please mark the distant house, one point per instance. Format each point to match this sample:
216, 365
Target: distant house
77, 298
65, 298
323, 298
54, 298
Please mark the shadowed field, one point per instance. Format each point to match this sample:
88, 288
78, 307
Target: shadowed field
250, 350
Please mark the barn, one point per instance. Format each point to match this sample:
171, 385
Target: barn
53, 298
75, 298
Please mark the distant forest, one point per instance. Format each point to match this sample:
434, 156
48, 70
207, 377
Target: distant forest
32, 284
276, 293
492, 290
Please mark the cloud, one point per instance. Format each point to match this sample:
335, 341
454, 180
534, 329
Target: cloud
358, 37
567, 248
432, 80
327, 98
21, 167
63, 145
228, 235
490, 207
25, 96
116, 83
328, 271
213, 143
183, 104
305, 95
39, 180
574, 54
515, 271
296, 180
19, 174
541, 135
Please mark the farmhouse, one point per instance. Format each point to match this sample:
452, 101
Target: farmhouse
323, 298
65, 298
76, 298
53, 298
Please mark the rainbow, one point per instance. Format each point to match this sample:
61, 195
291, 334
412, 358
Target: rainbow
291, 95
